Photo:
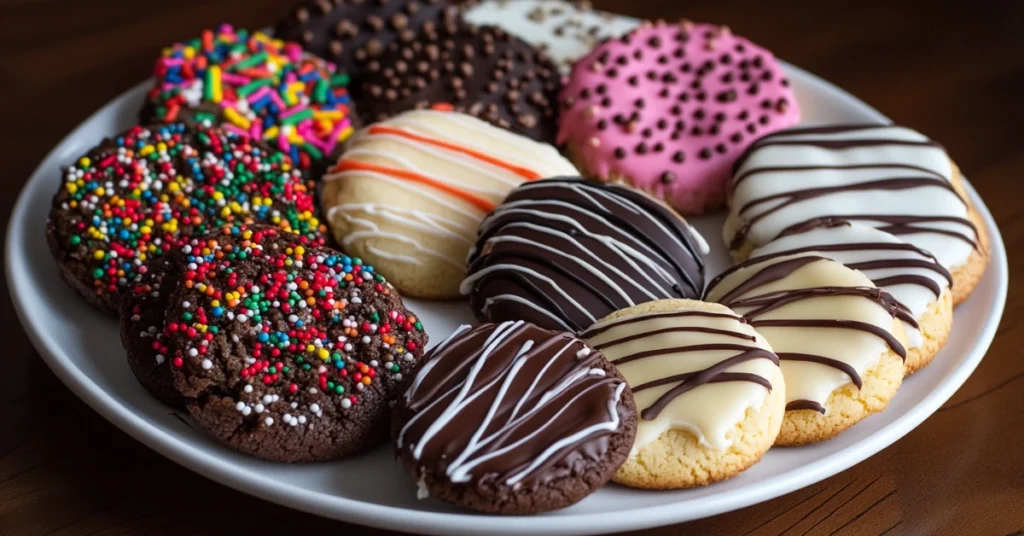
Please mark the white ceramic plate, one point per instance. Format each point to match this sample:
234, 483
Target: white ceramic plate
82, 347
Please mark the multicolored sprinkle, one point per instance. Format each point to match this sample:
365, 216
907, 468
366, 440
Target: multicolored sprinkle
149, 189
256, 86
303, 321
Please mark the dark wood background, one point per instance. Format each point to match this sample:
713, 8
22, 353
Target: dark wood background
955, 73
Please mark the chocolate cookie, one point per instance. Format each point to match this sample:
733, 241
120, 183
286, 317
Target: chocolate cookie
142, 193
257, 86
352, 32
285, 350
480, 70
563, 253
143, 336
513, 419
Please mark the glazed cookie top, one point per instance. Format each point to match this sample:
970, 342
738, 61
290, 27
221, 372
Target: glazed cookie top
255, 86
428, 177
671, 107
883, 176
352, 32
142, 193
913, 276
563, 253
292, 333
512, 405
698, 368
480, 70
564, 30
827, 323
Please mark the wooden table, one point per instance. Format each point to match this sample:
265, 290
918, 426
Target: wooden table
955, 74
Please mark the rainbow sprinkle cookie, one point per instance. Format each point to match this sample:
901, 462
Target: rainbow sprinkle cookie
286, 350
257, 86
143, 193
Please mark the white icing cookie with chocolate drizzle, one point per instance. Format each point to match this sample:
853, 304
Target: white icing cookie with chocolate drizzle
913, 276
565, 30
883, 176
408, 193
708, 389
839, 339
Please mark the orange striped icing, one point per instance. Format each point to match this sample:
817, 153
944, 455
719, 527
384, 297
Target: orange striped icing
352, 165
525, 173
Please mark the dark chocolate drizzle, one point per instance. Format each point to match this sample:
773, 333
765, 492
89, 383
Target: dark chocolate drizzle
908, 177
717, 373
544, 226
557, 364
764, 303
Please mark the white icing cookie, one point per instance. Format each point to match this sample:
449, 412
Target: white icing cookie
836, 335
911, 275
698, 373
408, 193
888, 177
566, 31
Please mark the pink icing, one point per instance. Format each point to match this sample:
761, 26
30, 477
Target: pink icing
675, 135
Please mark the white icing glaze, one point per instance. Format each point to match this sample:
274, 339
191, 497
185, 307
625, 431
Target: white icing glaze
402, 220
869, 245
861, 350
845, 157
563, 30
709, 410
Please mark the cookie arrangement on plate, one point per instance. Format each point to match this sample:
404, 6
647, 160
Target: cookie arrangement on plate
257, 231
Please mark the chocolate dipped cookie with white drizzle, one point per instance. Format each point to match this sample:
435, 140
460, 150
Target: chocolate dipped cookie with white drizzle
564, 253
884, 176
513, 419
839, 339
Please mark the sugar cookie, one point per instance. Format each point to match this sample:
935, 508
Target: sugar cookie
884, 176
708, 389
839, 339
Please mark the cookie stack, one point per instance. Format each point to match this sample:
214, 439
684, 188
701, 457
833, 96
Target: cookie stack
257, 232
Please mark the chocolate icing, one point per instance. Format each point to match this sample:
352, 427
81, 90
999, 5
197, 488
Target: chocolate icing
511, 404
352, 32
563, 253
479, 70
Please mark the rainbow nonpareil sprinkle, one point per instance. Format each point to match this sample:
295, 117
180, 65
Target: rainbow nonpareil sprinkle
255, 86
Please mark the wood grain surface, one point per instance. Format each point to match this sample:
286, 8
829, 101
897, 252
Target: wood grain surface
955, 73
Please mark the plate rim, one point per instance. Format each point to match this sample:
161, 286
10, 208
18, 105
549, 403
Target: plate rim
197, 460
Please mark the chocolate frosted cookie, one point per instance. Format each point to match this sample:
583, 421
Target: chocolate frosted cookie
285, 350
144, 192
563, 253
352, 32
513, 419
143, 336
480, 70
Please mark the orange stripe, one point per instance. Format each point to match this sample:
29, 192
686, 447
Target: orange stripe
352, 165
525, 173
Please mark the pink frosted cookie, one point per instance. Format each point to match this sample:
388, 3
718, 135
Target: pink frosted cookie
669, 109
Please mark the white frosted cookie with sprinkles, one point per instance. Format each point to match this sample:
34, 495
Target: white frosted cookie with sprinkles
884, 176
408, 193
839, 339
565, 30
708, 388
912, 275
